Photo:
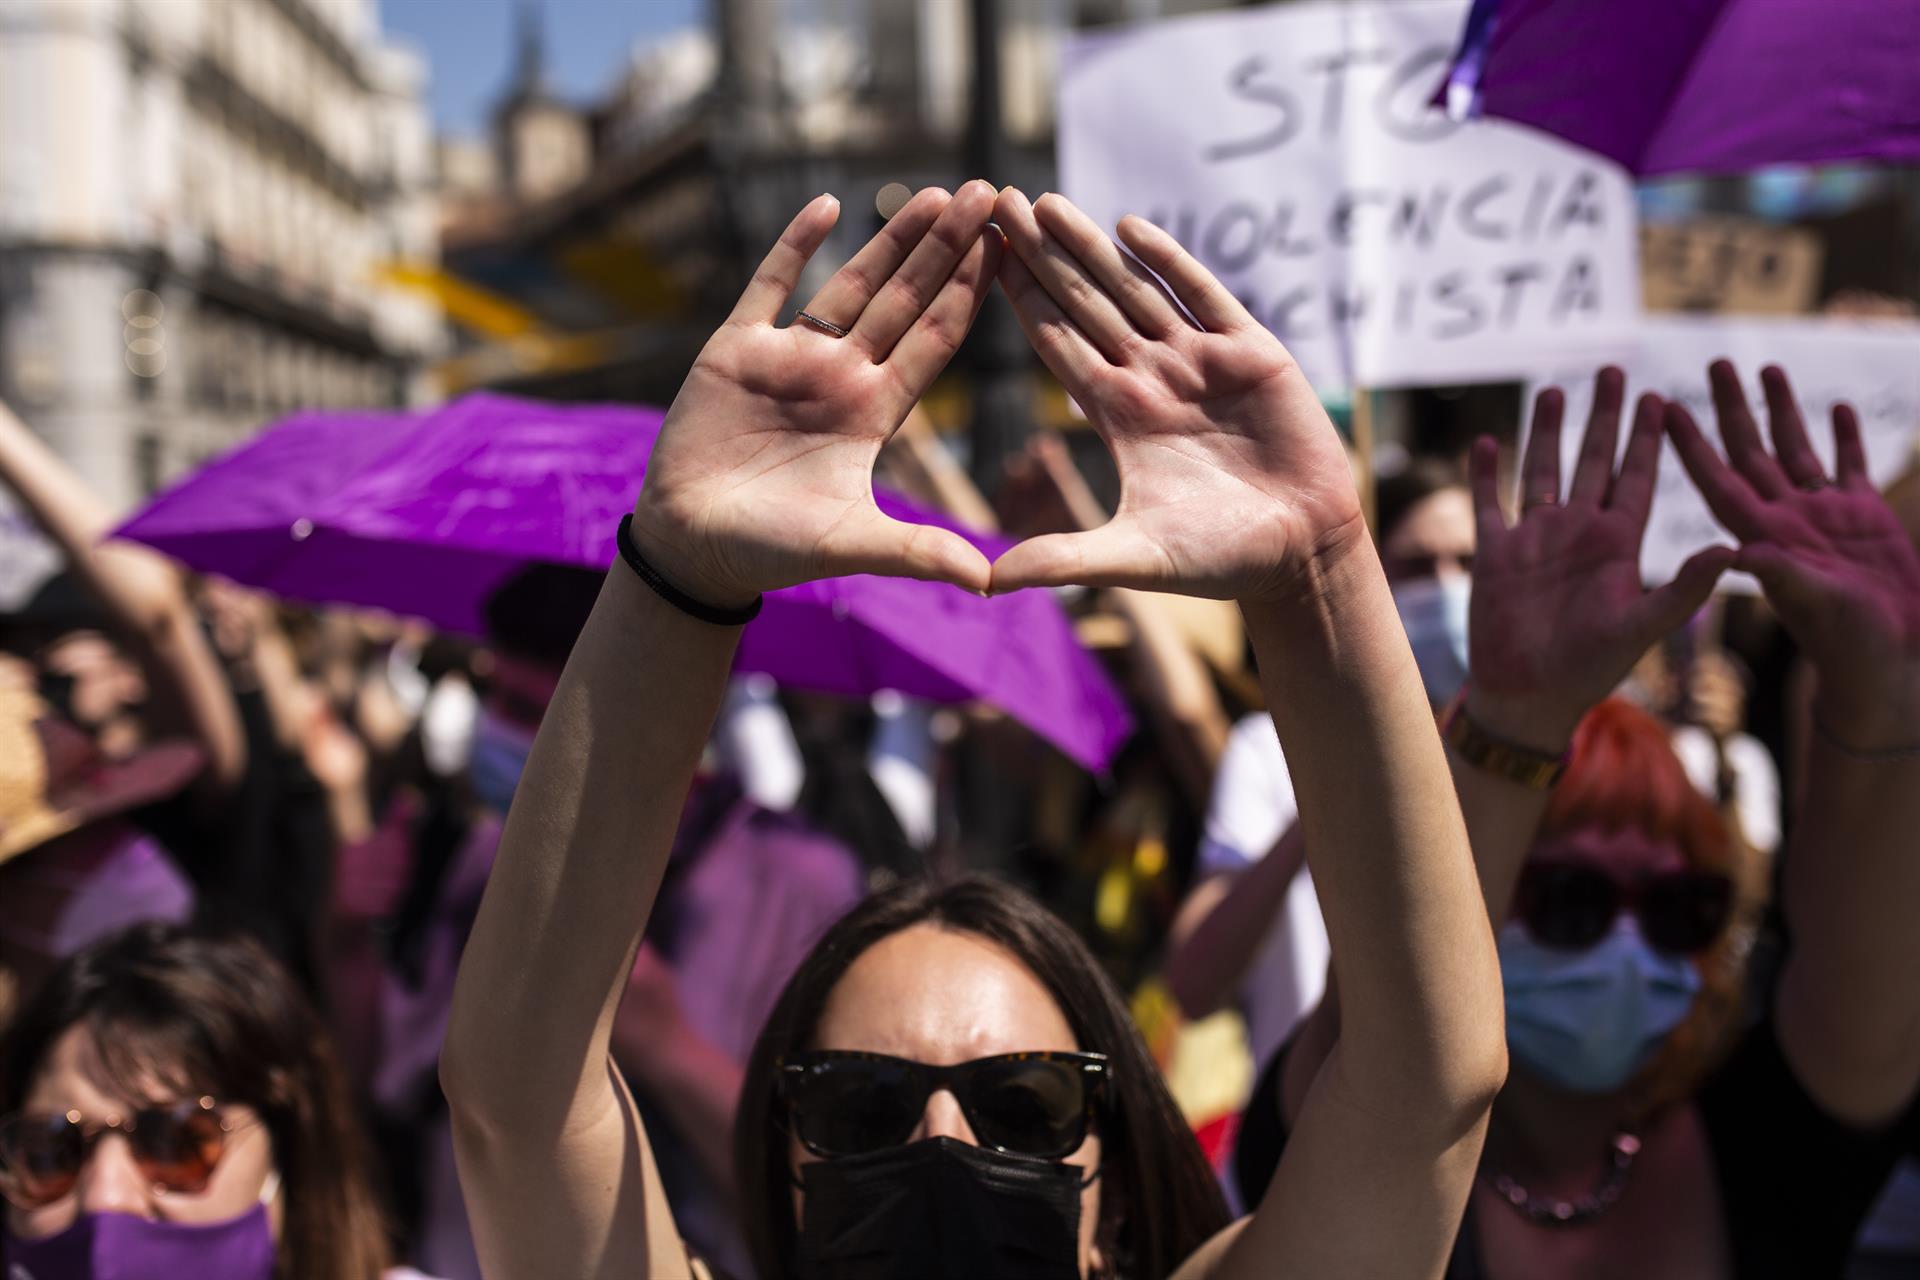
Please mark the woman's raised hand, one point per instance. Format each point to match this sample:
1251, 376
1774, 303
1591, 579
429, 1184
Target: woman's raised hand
1837, 566
1233, 482
762, 476
1559, 614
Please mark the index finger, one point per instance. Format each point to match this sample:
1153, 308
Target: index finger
779, 273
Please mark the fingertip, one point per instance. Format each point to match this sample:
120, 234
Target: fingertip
1715, 560
1053, 207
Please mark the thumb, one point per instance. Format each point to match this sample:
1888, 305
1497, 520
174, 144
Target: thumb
1667, 608
869, 541
1110, 556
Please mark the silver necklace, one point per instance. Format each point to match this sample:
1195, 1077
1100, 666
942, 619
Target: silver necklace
1565, 1213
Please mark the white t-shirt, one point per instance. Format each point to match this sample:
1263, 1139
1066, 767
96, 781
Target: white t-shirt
1252, 807
1756, 781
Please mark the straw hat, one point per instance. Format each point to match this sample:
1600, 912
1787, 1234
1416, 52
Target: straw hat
53, 778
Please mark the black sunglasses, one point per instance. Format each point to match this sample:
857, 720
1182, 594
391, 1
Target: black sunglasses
1572, 905
844, 1103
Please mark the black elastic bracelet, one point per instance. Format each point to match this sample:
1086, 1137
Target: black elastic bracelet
672, 594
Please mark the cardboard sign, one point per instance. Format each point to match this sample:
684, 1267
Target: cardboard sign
1293, 152
1874, 366
1738, 265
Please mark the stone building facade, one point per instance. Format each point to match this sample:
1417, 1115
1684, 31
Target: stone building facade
196, 201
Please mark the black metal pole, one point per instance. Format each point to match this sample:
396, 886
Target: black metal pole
999, 357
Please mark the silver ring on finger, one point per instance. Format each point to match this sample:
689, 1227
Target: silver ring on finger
1811, 484
1544, 498
825, 326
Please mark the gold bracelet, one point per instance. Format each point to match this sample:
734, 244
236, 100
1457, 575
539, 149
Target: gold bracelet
1522, 766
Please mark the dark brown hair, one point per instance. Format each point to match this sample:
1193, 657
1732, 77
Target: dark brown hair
207, 1013
1159, 1202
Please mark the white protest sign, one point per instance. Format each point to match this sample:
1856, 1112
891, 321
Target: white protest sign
1292, 151
1874, 366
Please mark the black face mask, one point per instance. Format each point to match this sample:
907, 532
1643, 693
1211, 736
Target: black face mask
940, 1210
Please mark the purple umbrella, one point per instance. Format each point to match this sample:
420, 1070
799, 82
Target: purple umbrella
425, 514
1713, 86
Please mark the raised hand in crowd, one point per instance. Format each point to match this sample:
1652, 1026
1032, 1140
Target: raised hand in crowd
760, 479
1234, 483
145, 598
1642, 1128
1559, 613
1235, 487
813, 410
1843, 576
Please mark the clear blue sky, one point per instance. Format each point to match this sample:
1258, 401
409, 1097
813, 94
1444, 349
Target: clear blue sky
468, 44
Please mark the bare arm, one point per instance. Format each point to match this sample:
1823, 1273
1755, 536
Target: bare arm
142, 592
1224, 922
761, 478
1844, 578
1234, 485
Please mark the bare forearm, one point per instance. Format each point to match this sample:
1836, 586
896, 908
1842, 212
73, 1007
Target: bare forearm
1849, 1003
140, 589
1182, 692
582, 852
1420, 992
1503, 816
1225, 922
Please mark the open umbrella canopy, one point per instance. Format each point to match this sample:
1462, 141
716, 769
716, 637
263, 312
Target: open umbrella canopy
1709, 86
425, 514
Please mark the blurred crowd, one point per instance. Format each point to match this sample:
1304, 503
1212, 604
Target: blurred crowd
263, 827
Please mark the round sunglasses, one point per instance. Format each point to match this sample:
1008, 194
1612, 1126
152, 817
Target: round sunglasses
176, 1148
845, 1103
1571, 905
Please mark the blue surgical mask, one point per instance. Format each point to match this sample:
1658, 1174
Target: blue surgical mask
500, 751
1434, 612
1587, 1020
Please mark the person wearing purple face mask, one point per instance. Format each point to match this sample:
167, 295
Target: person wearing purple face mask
169, 1107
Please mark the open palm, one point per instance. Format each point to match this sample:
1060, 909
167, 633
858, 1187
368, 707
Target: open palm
762, 476
1559, 612
1232, 478
1836, 564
